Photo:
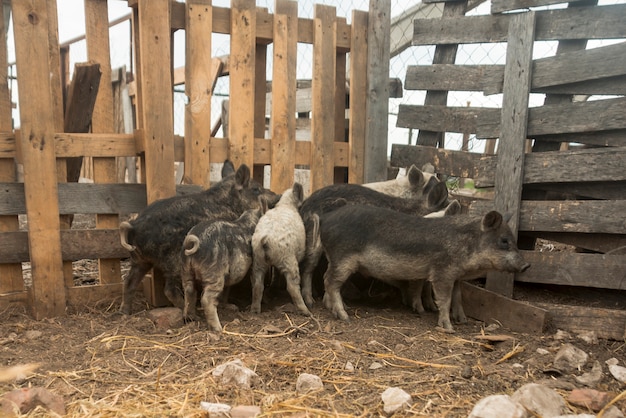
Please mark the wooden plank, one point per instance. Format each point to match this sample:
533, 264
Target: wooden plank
260, 109
242, 82
442, 118
606, 323
604, 243
586, 216
499, 6
489, 307
377, 100
449, 162
81, 296
341, 105
486, 78
358, 94
444, 54
10, 274
95, 145
38, 123
201, 76
564, 118
510, 169
552, 25
283, 123
604, 190
324, 71
575, 269
610, 138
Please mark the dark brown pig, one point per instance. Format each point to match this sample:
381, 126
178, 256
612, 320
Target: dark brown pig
393, 246
216, 255
155, 237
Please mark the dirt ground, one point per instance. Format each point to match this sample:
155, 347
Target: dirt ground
106, 364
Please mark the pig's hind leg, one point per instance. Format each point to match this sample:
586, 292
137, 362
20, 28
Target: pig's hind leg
458, 314
443, 296
334, 278
212, 287
131, 281
292, 277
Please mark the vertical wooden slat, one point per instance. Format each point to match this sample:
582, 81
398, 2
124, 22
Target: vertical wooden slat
102, 121
377, 106
358, 94
199, 90
37, 124
283, 122
10, 274
157, 120
260, 87
323, 103
340, 173
515, 97
242, 82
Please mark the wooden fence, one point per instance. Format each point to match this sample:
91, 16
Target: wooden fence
49, 137
575, 196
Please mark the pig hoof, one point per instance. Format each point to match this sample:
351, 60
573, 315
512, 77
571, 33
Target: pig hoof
124, 310
255, 310
445, 330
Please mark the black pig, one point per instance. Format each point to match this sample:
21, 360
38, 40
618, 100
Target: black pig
155, 237
393, 246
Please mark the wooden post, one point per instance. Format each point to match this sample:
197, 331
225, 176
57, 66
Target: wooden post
11, 279
38, 122
323, 103
283, 123
358, 96
377, 105
199, 90
242, 82
340, 173
515, 96
156, 107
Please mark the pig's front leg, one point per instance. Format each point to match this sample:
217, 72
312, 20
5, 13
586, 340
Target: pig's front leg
443, 296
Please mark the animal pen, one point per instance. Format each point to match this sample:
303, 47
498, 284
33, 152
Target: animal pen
58, 129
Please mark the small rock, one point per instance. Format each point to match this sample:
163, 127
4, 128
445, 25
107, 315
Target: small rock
570, 358
518, 369
492, 327
589, 398
542, 351
394, 399
612, 361
376, 365
166, 318
9, 339
245, 411
308, 383
32, 334
612, 412
576, 416
540, 400
618, 372
590, 337
467, 372
593, 377
349, 367
217, 410
562, 335
235, 372
501, 406
27, 399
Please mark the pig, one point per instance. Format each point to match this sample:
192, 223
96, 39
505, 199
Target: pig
279, 241
215, 254
330, 197
410, 185
392, 246
154, 238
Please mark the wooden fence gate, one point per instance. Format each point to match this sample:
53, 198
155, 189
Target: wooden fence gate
44, 144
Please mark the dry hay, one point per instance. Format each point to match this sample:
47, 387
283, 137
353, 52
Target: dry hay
108, 365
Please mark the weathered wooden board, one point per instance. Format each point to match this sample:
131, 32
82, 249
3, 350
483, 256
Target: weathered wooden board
81, 296
606, 323
324, 72
499, 6
587, 216
603, 190
358, 94
283, 106
575, 269
600, 22
490, 307
442, 118
604, 243
449, 162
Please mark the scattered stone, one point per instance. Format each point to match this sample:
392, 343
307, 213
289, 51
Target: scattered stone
570, 358
27, 399
576, 416
612, 412
590, 337
612, 361
540, 400
467, 372
589, 398
376, 365
166, 318
217, 410
501, 406
235, 372
349, 367
542, 351
308, 383
618, 372
492, 327
518, 369
245, 411
9, 339
32, 334
395, 399
562, 335
593, 377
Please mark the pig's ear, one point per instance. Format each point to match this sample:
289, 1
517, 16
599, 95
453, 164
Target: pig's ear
453, 208
242, 177
415, 176
492, 220
298, 193
438, 195
228, 168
